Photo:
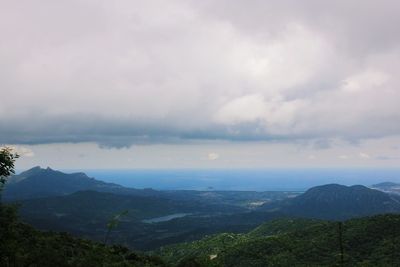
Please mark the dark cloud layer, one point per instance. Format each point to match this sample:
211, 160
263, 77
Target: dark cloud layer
126, 72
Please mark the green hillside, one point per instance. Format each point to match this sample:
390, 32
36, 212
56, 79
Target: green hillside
370, 241
22, 245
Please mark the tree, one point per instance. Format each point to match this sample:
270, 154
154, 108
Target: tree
7, 213
114, 223
7, 160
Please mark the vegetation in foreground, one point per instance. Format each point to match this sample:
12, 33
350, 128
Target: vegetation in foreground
369, 241
22, 245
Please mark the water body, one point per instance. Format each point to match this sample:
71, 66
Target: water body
243, 179
166, 218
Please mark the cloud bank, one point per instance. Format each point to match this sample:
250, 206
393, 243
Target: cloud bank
124, 72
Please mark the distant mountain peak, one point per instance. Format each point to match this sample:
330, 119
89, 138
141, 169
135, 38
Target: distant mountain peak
32, 170
330, 188
335, 201
36, 170
39, 182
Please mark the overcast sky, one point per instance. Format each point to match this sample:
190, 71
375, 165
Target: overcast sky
160, 84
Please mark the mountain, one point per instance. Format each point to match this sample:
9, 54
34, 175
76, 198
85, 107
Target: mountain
388, 187
337, 202
38, 182
369, 241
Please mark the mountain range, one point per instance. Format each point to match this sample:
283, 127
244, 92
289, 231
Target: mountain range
44, 182
78, 204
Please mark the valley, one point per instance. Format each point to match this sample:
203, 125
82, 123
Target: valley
82, 206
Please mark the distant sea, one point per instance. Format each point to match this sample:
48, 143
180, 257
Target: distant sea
242, 179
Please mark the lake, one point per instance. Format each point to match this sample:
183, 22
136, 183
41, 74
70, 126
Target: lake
165, 218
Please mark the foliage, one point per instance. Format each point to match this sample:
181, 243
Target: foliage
21, 245
369, 241
7, 160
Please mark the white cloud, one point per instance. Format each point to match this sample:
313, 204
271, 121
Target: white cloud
369, 79
213, 156
127, 71
20, 150
26, 152
247, 108
364, 155
274, 116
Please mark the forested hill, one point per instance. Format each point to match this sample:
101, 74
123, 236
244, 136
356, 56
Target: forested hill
22, 245
337, 202
369, 241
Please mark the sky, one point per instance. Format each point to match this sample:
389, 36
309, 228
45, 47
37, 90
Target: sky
201, 84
